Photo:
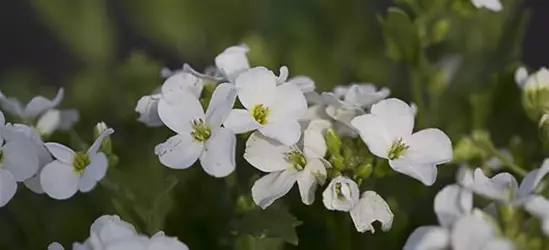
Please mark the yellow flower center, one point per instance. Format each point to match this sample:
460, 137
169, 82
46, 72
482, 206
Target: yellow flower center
201, 132
297, 159
339, 192
80, 161
397, 150
260, 114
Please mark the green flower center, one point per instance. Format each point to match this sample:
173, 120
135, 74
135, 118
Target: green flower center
297, 159
201, 132
397, 150
339, 192
80, 161
260, 114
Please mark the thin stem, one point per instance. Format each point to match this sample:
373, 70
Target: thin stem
417, 94
508, 162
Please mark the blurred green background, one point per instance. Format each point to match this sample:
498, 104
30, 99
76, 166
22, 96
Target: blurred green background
107, 54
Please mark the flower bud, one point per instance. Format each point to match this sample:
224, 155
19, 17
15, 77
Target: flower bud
333, 141
106, 146
535, 95
341, 194
365, 171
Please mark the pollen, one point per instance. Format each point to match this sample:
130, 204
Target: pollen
201, 131
80, 161
260, 114
397, 150
297, 159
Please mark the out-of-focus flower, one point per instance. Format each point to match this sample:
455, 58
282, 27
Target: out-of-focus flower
494, 5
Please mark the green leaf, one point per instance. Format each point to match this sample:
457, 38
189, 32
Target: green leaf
274, 222
400, 36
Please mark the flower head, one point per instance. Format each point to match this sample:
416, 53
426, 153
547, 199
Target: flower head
232, 61
199, 133
341, 194
387, 131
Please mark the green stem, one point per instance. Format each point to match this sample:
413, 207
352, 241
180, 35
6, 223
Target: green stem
508, 162
417, 94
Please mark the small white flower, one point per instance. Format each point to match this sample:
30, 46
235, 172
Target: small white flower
494, 5
233, 61
271, 109
521, 75
387, 131
501, 187
55, 246
55, 119
537, 81
341, 194
36, 107
72, 171
109, 230
359, 96
287, 165
538, 206
473, 232
370, 208
199, 134
180, 82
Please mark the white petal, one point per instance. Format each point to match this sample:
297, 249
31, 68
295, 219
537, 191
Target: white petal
39, 104
98, 166
147, 107
283, 75
429, 146
8, 187
428, 238
266, 154
312, 175
33, 184
346, 199
179, 117
499, 187
221, 103
11, 105
61, 152
343, 114
240, 121
163, 242
305, 83
331, 99
59, 180
521, 74
464, 176
20, 158
471, 232
287, 133
272, 186
499, 244
55, 246
494, 5
94, 148
538, 206
256, 86
364, 95
68, 118
110, 229
373, 132
396, 116
233, 60
49, 122
314, 112
179, 151
179, 85
289, 104
134, 243
218, 157
532, 179
451, 203
370, 208
425, 173
314, 144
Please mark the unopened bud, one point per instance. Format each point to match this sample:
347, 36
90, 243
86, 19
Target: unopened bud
106, 146
333, 141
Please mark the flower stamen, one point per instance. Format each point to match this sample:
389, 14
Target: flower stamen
297, 159
201, 131
260, 114
80, 161
397, 150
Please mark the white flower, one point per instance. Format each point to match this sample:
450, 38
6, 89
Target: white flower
108, 230
341, 194
180, 82
199, 134
287, 165
271, 109
36, 107
232, 61
538, 206
537, 81
55, 246
55, 119
72, 171
494, 5
162, 242
387, 131
308, 87
501, 187
359, 96
473, 232
370, 208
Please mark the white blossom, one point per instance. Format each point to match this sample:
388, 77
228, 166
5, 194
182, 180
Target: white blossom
233, 61
308, 87
370, 208
387, 131
536, 81
271, 109
54, 119
72, 171
36, 107
342, 194
473, 232
287, 165
359, 96
494, 5
199, 133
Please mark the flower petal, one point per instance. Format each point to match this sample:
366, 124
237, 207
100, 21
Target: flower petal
471, 232
178, 117
538, 206
341, 194
179, 85
240, 121
147, 107
11, 105
313, 175
61, 152
8, 187
49, 122
33, 184
20, 158
314, 144
429, 146
98, 167
59, 180
218, 157
55, 246
500, 187
272, 186
266, 154
220, 106
289, 104
110, 228
68, 118
532, 179
304, 83
370, 208
287, 133
232, 61
39, 104
256, 86
428, 238
521, 75
179, 151
396, 115
425, 173
451, 203
374, 134
94, 148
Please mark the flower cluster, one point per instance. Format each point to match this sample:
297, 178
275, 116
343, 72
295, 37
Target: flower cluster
109, 232
45, 167
293, 134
